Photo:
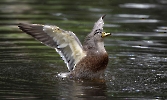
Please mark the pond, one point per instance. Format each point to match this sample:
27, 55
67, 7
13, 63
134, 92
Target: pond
137, 50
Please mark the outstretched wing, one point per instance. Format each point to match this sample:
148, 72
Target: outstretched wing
65, 42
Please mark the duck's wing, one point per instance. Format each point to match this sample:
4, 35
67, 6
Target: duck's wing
65, 42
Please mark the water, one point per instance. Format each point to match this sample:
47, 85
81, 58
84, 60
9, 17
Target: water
137, 50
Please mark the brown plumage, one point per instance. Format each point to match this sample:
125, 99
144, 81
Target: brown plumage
88, 61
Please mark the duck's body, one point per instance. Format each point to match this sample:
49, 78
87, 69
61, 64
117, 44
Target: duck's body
88, 61
85, 68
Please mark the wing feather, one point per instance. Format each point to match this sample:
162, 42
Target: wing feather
65, 42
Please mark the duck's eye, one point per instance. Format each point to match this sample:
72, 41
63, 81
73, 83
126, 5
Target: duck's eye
98, 31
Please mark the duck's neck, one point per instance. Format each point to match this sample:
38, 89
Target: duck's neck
94, 46
100, 47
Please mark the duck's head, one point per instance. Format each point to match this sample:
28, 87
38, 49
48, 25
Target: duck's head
97, 34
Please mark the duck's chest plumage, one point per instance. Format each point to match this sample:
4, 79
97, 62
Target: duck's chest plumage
92, 65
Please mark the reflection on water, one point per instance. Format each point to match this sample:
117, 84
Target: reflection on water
161, 29
87, 90
137, 50
139, 6
132, 16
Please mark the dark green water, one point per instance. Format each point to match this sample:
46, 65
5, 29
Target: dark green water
137, 49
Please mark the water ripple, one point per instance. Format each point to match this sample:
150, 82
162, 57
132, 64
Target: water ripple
138, 5
138, 21
161, 29
132, 16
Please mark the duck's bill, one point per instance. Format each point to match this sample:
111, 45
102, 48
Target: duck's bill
104, 34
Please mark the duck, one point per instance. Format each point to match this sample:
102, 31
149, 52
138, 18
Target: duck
84, 61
